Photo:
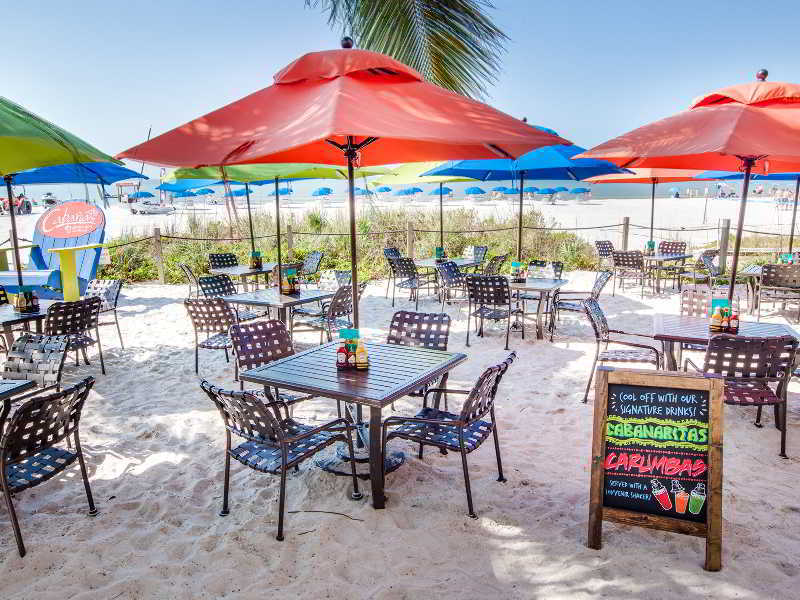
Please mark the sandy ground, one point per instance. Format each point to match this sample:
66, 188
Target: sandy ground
154, 445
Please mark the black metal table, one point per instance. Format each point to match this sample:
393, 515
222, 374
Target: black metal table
660, 260
394, 372
244, 271
9, 317
545, 287
8, 389
283, 302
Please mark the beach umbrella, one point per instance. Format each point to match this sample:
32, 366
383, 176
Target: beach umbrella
186, 194
530, 190
651, 176
236, 193
401, 192
322, 191
474, 191
560, 188
383, 188
354, 105
442, 190
282, 191
499, 188
759, 177
141, 195
204, 192
752, 127
29, 142
547, 191
579, 190
416, 190
511, 191
362, 192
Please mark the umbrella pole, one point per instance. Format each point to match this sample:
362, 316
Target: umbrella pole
441, 216
14, 241
519, 228
278, 231
794, 213
652, 208
351, 153
748, 167
250, 219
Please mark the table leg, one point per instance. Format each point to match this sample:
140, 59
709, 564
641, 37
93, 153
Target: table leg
437, 399
658, 278
282, 316
539, 325
376, 458
669, 355
39, 325
9, 336
244, 283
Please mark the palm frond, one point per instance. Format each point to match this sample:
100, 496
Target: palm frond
453, 43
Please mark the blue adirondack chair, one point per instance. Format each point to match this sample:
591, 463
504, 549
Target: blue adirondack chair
70, 224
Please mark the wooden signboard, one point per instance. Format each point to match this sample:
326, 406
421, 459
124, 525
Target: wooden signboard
657, 455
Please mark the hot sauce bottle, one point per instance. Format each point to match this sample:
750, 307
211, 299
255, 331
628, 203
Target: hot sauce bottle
341, 356
734, 323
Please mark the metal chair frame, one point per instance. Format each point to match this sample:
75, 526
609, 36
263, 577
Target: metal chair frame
491, 296
213, 316
75, 320
108, 291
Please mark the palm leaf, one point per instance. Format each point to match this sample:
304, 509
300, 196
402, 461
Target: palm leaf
453, 43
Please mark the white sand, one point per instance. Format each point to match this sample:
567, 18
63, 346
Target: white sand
154, 445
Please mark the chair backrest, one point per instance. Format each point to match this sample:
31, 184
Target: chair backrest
391, 252
479, 253
599, 283
42, 422
403, 268
215, 286
597, 318
604, 248
70, 318
698, 303
556, 265
312, 262
245, 415
739, 357
489, 290
210, 315
259, 343
671, 247
222, 260
494, 264
428, 330
74, 223
629, 259
449, 274
36, 357
780, 276
333, 280
341, 305
190, 276
284, 268
712, 254
3, 295
481, 398
107, 290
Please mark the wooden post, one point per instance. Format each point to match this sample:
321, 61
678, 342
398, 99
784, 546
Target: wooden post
159, 254
410, 240
626, 229
289, 241
724, 236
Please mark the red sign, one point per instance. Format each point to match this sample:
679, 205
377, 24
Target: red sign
71, 220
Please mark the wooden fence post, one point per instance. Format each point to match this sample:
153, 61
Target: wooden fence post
159, 254
724, 235
289, 241
410, 240
626, 229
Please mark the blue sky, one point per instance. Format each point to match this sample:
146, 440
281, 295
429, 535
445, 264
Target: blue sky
589, 70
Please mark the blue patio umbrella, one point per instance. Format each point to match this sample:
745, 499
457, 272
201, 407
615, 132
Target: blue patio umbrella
442, 190
499, 188
186, 194
384, 188
141, 195
204, 192
403, 192
561, 188
103, 173
185, 184
474, 191
416, 190
285, 191
236, 193
547, 191
322, 191
772, 177
579, 190
362, 192
530, 189
512, 191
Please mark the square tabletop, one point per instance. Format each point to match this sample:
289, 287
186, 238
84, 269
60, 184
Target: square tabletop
12, 387
244, 270
430, 263
666, 257
393, 372
750, 271
694, 330
539, 284
271, 297
8, 316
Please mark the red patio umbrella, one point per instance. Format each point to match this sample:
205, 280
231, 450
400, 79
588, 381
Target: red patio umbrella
753, 127
328, 107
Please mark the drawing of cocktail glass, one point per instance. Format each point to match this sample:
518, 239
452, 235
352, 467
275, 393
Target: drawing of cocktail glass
661, 494
697, 499
681, 496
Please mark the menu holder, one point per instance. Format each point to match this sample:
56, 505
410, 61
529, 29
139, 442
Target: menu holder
657, 455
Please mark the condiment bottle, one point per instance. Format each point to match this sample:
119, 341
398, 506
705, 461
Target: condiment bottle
351, 354
341, 356
734, 323
716, 320
362, 360
726, 323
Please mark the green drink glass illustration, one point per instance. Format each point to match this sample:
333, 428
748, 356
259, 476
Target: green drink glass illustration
697, 498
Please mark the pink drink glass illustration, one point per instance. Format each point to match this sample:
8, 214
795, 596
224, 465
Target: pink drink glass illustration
661, 494
697, 499
681, 496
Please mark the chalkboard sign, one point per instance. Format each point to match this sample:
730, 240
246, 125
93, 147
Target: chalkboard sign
657, 454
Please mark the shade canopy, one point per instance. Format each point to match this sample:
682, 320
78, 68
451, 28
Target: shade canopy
204, 192
322, 191
383, 188
511, 191
334, 94
411, 174
284, 191
436, 191
579, 190
754, 176
141, 195
530, 189
237, 193
474, 190
186, 194
547, 191
104, 173
648, 176
360, 192
560, 188
184, 184
499, 188
266, 173
758, 121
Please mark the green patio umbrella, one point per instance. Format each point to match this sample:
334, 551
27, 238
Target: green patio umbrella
27, 142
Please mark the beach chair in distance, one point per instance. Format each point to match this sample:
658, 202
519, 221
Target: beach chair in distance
309, 272
463, 432
273, 442
30, 451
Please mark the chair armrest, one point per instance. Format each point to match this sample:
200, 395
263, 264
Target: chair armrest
397, 420
642, 346
688, 362
277, 404
329, 426
644, 335
445, 390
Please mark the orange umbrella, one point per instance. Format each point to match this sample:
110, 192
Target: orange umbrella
327, 107
753, 127
651, 176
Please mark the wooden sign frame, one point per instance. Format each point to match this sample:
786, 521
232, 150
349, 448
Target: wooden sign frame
598, 512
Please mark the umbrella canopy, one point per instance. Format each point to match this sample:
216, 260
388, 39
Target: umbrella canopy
511, 191
530, 190
104, 173
579, 190
383, 188
561, 188
416, 190
444, 190
141, 195
354, 105
322, 191
204, 192
411, 173
499, 188
262, 174
236, 193
284, 191
184, 184
186, 194
402, 192
360, 192
474, 190
547, 191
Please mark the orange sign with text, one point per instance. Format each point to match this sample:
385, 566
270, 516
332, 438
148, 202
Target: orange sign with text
71, 220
